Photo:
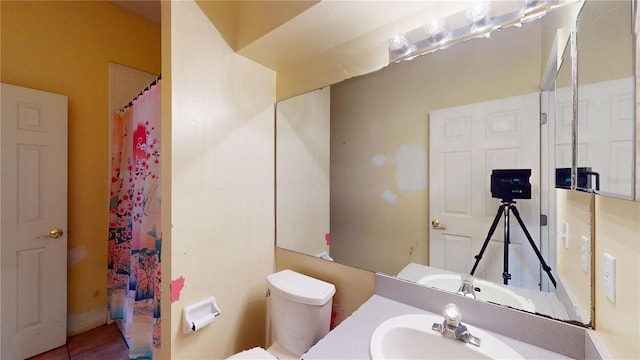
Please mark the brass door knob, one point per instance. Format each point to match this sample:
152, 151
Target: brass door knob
54, 233
436, 224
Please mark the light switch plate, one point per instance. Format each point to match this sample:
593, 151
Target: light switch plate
584, 253
565, 234
609, 277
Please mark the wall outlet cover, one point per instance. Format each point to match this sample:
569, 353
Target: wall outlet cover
565, 234
609, 277
584, 253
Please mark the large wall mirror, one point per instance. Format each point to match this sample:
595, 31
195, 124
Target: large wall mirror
390, 171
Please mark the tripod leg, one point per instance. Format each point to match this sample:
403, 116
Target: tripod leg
546, 267
489, 235
505, 258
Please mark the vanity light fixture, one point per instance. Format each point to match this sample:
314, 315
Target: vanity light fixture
478, 13
439, 31
533, 10
529, 4
436, 34
400, 45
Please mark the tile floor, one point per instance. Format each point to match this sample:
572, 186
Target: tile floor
102, 343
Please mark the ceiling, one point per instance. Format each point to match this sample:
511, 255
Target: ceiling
278, 34
282, 34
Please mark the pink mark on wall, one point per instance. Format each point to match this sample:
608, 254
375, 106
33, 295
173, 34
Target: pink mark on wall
176, 287
327, 238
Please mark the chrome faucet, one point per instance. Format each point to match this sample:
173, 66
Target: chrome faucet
452, 328
466, 288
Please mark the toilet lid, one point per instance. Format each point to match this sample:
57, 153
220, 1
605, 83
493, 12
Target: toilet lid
301, 288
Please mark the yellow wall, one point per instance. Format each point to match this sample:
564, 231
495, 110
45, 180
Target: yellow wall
222, 186
64, 47
618, 234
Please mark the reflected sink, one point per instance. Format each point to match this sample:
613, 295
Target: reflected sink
488, 291
411, 337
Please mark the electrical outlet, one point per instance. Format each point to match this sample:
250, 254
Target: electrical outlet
609, 275
584, 253
565, 234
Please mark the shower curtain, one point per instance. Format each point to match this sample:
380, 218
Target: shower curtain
134, 223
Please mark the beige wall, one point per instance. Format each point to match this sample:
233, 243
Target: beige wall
302, 172
43, 49
605, 54
618, 234
574, 208
222, 188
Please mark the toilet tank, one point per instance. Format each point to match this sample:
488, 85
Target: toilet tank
299, 308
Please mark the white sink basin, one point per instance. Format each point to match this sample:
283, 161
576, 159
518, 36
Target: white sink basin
489, 291
411, 337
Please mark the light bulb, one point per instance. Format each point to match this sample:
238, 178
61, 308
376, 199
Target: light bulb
398, 43
479, 11
438, 30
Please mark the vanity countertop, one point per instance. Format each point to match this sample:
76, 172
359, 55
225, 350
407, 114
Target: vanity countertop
350, 339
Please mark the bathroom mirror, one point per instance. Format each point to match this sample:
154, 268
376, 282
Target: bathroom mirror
352, 159
606, 132
563, 119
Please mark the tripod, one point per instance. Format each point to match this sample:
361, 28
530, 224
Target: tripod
508, 206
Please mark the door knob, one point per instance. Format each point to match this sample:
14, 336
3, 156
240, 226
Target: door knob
54, 233
437, 225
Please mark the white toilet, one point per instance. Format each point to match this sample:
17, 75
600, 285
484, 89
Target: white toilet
299, 308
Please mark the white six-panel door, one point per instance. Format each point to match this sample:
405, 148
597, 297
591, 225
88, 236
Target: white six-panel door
466, 143
33, 234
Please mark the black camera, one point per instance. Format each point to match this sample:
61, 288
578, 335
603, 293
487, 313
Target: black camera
583, 179
509, 184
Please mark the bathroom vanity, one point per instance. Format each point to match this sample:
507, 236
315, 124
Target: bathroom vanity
529, 335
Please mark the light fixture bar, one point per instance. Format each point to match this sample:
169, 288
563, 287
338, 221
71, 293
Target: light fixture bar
421, 45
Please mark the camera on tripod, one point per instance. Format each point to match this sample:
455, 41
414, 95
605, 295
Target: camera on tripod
510, 184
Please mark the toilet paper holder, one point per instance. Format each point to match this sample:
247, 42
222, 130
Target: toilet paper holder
199, 315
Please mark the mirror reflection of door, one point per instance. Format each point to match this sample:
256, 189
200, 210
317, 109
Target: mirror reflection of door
466, 144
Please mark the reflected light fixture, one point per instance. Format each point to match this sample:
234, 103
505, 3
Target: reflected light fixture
478, 14
530, 4
533, 10
400, 44
438, 30
438, 35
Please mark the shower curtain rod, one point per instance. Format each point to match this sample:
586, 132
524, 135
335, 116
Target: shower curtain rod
152, 84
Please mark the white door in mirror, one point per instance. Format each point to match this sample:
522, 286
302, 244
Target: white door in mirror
466, 143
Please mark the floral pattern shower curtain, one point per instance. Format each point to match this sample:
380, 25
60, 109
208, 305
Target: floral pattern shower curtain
134, 224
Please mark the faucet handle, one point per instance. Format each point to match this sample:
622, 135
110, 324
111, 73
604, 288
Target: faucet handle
452, 315
466, 287
452, 328
466, 279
